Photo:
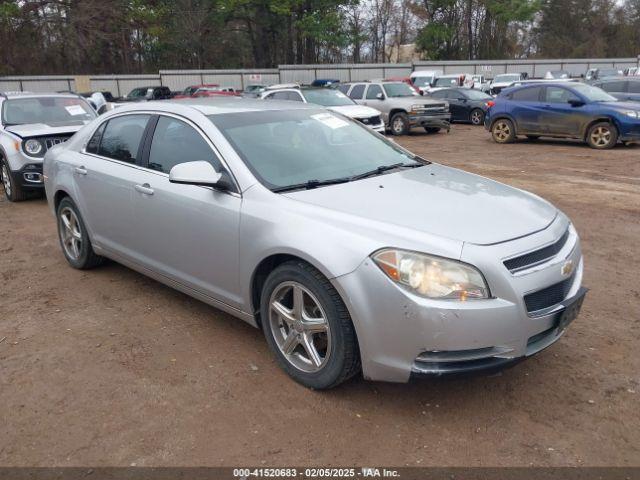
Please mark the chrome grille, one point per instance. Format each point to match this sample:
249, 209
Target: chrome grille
375, 120
432, 109
536, 257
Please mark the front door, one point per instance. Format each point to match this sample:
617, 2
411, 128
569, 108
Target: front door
560, 116
185, 232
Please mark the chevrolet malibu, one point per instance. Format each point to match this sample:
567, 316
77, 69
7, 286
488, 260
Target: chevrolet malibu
349, 252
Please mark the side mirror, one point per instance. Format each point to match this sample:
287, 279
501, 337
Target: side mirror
380, 96
198, 173
576, 103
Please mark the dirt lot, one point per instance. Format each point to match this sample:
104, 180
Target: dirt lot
108, 367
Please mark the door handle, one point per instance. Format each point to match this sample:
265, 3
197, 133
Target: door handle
145, 189
81, 170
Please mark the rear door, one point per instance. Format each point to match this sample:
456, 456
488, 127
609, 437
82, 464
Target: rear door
105, 175
187, 233
525, 107
559, 116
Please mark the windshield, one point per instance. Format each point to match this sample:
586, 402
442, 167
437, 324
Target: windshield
399, 90
507, 78
593, 94
284, 148
138, 92
447, 82
47, 110
327, 97
253, 88
477, 95
422, 81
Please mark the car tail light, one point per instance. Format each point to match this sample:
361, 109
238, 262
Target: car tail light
490, 103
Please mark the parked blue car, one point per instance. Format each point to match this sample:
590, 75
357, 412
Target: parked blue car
563, 110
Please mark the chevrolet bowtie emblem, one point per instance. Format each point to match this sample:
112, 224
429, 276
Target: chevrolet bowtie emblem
567, 268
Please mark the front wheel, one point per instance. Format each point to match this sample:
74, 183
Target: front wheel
503, 131
602, 136
12, 191
400, 124
74, 238
477, 117
308, 327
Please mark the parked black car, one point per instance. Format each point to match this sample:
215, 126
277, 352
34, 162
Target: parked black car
465, 105
623, 88
143, 94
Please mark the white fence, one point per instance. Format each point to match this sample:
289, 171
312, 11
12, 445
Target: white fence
120, 85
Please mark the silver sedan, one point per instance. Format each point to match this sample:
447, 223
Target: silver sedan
352, 254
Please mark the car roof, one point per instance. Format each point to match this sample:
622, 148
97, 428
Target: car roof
33, 94
216, 105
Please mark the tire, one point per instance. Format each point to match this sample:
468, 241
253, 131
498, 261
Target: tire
503, 131
533, 138
73, 236
399, 124
331, 336
432, 129
602, 136
12, 191
476, 116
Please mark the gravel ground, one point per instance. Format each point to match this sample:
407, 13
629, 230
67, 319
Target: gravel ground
107, 367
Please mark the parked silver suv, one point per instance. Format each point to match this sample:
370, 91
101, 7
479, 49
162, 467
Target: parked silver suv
351, 253
401, 106
31, 124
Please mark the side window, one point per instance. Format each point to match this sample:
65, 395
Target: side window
527, 95
294, 96
440, 94
559, 95
373, 91
176, 142
94, 143
280, 96
122, 136
634, 87
357, 91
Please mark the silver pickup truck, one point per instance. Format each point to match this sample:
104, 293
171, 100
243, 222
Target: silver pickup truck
401, 106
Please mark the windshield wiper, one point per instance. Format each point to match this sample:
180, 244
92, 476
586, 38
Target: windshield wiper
311, 184
385, 168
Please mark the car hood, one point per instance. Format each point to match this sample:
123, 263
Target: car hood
40, 129
440, 201
355, 111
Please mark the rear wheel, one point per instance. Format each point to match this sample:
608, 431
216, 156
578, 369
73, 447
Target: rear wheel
400, 124
602, 135
308, 327
503, 131
12, 191
74, 238
477, 116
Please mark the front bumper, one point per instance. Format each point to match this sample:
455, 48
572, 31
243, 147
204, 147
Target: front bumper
401, 334
29, 177
440, 121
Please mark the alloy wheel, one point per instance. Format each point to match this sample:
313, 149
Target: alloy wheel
601, 136
476, 117
299, 326
6, 180
398, 125
502, 131
70, 233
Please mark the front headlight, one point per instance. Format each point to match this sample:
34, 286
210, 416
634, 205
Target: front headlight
632, 113
430, 276
33, 147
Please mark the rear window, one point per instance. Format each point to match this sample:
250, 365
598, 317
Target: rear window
47, 110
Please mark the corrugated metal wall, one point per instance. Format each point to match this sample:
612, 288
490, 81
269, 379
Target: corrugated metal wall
177, 80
